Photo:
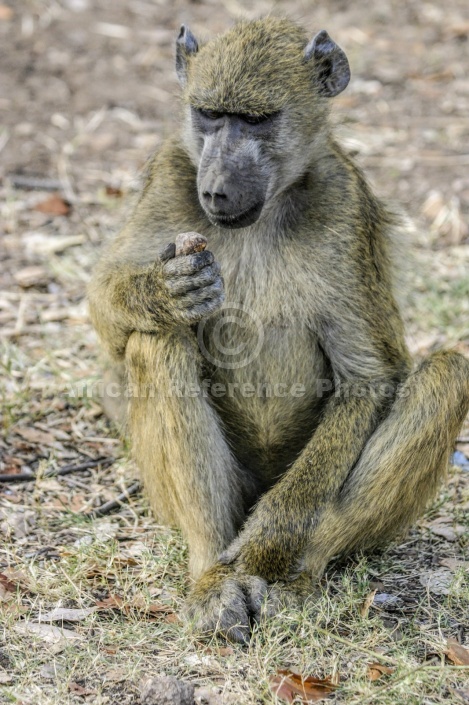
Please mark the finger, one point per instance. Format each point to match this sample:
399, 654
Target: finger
195, 314
187, 264
198, 296
205, 277
168, 252
256, 595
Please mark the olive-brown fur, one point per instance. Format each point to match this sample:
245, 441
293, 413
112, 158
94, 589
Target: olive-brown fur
268, 488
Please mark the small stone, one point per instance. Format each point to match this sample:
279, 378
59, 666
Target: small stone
189, 243
167, 690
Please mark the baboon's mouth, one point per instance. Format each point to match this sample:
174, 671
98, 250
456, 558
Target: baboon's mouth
238, 220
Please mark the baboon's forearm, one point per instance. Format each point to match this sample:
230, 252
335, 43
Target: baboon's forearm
122, 302
275, 536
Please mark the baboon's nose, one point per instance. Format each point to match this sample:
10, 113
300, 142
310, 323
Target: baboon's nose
215, 199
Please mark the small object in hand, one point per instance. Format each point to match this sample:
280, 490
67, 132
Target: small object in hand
189, 243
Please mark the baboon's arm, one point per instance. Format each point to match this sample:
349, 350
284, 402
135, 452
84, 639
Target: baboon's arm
135, 283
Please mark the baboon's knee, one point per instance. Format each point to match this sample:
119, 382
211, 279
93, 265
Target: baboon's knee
445, 380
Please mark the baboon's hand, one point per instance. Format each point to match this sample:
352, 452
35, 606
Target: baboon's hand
193, 284
226, 601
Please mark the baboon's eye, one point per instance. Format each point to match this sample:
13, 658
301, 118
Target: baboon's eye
210, 114
254, 119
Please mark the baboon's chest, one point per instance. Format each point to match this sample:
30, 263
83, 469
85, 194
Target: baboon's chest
267, 382
266, 366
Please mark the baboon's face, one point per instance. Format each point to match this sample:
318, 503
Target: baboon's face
234, 169
257, 110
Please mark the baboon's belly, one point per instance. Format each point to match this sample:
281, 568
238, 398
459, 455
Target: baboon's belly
271, 388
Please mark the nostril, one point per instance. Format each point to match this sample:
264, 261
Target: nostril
215, 198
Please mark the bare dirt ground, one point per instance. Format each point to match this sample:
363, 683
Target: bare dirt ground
87, 91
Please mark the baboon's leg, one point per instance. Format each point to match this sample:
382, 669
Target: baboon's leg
187, 467
402, 464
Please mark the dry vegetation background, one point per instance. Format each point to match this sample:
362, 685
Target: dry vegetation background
87, 91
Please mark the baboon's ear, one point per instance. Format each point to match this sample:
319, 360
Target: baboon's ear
186, 44
332, 64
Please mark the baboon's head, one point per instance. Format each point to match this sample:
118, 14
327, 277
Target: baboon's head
257, 107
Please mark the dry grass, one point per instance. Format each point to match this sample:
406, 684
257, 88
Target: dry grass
66, 561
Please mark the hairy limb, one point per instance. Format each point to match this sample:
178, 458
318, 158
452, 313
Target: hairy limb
273, 541
189, 472
402, 465
397, 472
275, 535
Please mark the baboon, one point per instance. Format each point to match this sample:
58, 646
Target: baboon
273, 408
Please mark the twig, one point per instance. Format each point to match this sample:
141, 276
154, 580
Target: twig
463, 439
41, 183
19, 477
109, 507
65, 470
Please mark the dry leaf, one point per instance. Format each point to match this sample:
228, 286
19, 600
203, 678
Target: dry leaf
454, 563
62, 614
291, 686
33, 435
5, 678
7, 589
444, 531
47, 632
123, 561
112, 602
386, 600
138, 603
79, 690
19, 578
6, 13
459, 30
115, 676
443, 526
31, 276
375, 671
457, 653
7, 584
54, 205
437, 581
365, 608
21, 523
5, 595
172, 618
113, 191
